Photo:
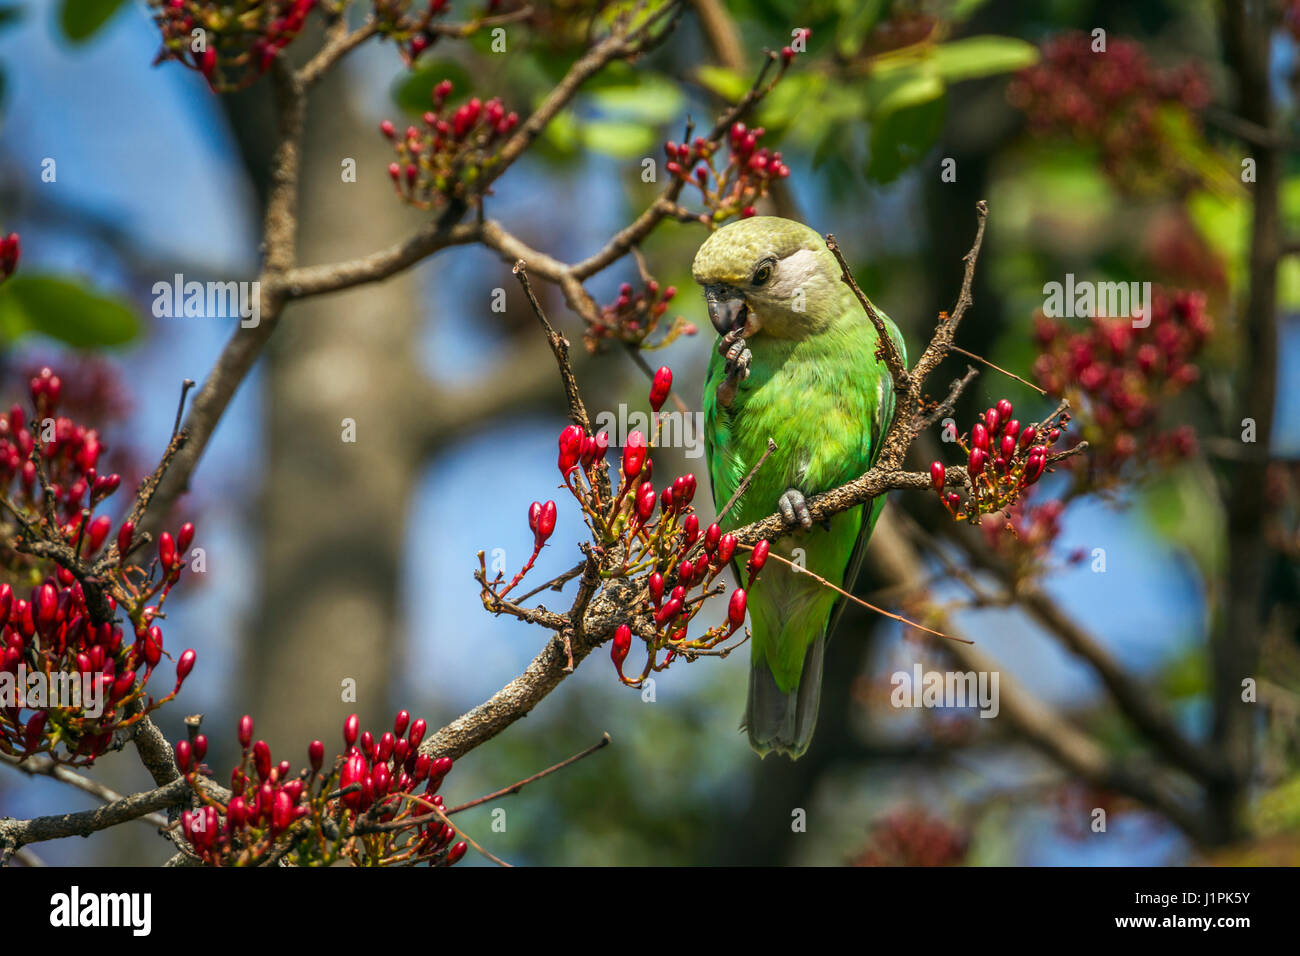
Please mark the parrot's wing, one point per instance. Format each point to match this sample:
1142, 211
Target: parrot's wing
871, 510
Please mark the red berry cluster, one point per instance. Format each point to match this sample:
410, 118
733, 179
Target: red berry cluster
1002, 460
9, 253
634, 316
240, 37
1115, 100
730, 188
448, 156
1121, 376
363, 808
62, 636
914, 837
680, 562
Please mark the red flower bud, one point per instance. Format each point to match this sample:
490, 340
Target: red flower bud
97, 533
457, 853
1012, 428
124, 534
1034, 466
166, 551
1004, 410
690, 528
46, 604
183, 755
645, 502
711, 538
634, 454
979, 437
937, 475
184, 666
656, 587
153, 646
757, 559
659, 389
185, 537
726, 547
1027, 436
977, 459
401, 722
570, 449
1007, 447
351, 727
200, 746
545, 523
416, 733
35, 730
262, 759
245, 731
237, 813
621, 645
736, 608
282, 814
670, 609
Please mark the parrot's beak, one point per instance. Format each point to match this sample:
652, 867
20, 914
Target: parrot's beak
727, 310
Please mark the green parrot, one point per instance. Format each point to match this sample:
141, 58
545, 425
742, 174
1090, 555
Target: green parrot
796, 362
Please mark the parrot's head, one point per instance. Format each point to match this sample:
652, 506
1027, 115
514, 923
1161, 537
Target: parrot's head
768, 275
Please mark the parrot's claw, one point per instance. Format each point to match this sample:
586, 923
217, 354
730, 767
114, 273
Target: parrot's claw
738, 359
794, 508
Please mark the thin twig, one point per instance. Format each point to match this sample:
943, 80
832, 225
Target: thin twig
560, 347
996, 368
857, 600
745, 482
887, 348
519, 785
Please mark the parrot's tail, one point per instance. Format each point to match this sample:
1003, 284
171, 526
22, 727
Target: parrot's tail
781, 722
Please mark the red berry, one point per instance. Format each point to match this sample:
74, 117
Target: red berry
659, 389
937, 475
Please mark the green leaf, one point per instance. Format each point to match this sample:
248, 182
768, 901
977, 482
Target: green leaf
620, 140
982, 56
414, 91
64, 310
81, 19
902, 137
905, 90
728, 84
652, 100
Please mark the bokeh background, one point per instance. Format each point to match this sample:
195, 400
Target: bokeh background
328, 559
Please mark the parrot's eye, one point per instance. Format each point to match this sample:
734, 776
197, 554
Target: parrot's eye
763, 272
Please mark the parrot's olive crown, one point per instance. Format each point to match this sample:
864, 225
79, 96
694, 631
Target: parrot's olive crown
771, 274
733, 254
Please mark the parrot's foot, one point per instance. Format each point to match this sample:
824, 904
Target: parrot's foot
738, 359
794, 509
